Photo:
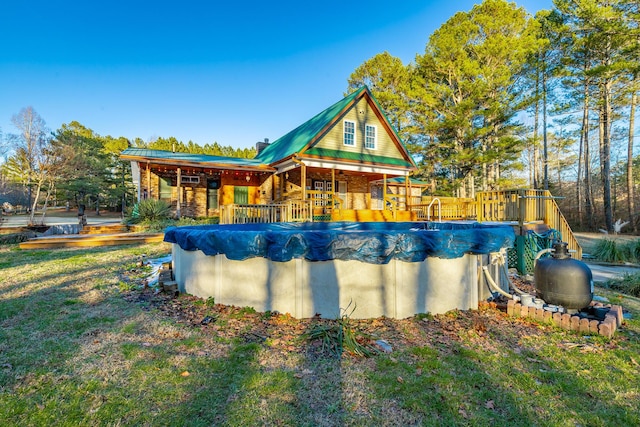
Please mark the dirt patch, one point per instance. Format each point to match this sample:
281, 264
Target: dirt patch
281, 333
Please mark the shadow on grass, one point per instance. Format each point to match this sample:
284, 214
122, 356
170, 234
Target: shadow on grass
465, 381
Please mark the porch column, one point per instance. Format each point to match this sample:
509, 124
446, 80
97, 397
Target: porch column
303, 178
281, 183
384, 191
333, 186
148, 180
407, 186
179, 193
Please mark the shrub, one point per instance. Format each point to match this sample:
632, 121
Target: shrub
149, 210
608, 251
634, 251
628, 284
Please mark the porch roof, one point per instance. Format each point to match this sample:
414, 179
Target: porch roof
399, 180
193, 160
361, 157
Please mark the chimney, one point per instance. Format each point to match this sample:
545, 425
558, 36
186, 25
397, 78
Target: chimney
261, 145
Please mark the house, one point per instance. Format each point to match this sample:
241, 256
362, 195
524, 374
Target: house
347, 162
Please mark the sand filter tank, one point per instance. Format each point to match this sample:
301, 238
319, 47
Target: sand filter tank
562, 280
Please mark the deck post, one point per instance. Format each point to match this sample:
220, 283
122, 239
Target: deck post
333, 189
303, 180
148, 180
407, 186
522, 205
179, 192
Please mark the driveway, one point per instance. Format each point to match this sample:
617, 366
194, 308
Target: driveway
60, 218
605, 272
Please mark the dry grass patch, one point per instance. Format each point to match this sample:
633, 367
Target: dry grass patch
83, 342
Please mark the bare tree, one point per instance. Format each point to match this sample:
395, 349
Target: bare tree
32, 149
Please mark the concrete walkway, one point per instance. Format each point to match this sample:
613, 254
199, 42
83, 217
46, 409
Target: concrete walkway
53, 219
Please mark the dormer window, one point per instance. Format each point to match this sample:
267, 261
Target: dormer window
349, 133
370, 137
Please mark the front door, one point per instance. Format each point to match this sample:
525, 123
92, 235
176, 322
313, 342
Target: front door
342, 194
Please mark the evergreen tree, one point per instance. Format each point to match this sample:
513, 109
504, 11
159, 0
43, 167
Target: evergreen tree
472, 69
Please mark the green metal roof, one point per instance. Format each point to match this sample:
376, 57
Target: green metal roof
352, 156
399, 180
293, 142
204, 159
297, 139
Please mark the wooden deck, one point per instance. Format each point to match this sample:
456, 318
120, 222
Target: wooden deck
91, 240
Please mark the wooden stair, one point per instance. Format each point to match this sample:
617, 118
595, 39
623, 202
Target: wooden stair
91, 240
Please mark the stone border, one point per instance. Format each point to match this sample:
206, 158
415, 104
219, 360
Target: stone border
607, 327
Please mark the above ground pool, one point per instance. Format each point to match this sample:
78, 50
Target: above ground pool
383, 269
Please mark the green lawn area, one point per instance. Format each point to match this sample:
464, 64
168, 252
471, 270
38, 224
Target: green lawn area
83, 343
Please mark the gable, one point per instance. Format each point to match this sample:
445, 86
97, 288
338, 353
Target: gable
322, 136
361, 115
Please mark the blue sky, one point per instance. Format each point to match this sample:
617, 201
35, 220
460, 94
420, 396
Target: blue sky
199, 70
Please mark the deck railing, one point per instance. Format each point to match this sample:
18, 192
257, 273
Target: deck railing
525, 207
289, 211
448, 209
516, 206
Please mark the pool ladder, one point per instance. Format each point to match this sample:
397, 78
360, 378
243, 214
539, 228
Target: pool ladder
439, 209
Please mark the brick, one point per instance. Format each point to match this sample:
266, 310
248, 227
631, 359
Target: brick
524, 311
510, 304
516, 309
566, 322
584, 326
557, 319
575, 323
611, 319
617, 311
546, 316
532, 312
605, 329
593, 326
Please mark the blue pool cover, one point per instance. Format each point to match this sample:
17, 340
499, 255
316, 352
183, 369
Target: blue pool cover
371, 242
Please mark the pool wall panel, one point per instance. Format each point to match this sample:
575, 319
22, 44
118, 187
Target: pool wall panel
304, 288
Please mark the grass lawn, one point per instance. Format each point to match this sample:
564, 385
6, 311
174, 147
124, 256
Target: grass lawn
82, 342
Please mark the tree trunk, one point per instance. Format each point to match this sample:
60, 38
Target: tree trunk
583, 135
630, 190
605, 153
545, 154
588, 185
536, 154
35, 203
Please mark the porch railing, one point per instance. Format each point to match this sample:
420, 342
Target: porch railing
289, 211
324, 199
449, 208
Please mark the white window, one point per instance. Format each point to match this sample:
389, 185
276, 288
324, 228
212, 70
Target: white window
185, 179
370, 137
349, 133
